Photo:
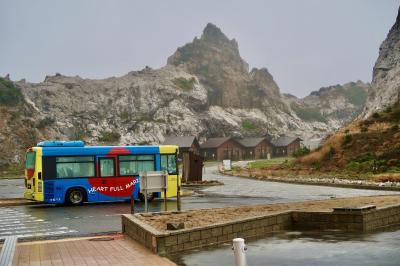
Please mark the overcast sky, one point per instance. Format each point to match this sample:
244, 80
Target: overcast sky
304, 44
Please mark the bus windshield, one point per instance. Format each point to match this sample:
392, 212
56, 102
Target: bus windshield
30, 160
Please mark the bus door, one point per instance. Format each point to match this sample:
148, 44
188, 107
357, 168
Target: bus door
107, 176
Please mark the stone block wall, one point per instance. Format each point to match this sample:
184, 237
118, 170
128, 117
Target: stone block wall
168, 242
186, 239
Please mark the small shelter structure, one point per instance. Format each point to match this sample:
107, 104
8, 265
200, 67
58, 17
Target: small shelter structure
189, 153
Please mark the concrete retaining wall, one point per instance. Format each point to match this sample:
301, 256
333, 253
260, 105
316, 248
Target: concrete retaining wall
359, 219
186, 239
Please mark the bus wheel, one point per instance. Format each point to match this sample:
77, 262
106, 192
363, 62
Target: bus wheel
150, 197
75, 196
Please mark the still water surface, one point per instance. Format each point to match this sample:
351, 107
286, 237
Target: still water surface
307, 248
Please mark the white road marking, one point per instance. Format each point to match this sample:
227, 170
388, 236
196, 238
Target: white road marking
14, 222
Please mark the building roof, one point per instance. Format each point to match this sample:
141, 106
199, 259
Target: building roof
214, 142
250, 142
284, 141
182, 142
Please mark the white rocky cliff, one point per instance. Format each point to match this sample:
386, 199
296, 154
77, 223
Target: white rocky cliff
386, 74
206, 89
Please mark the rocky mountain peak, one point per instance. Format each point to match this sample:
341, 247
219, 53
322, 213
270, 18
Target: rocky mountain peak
212, 33
216, 61
213, 48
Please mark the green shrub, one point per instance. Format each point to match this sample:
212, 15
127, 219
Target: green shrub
347, 139
106, 136
247, 124
316, 165
395, 128
365, 157
9, 93
185, 84
301, 152
367, 164
388, 109
364, 129
125, 115
376, 115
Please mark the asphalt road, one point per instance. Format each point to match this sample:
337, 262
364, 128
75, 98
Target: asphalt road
51, 221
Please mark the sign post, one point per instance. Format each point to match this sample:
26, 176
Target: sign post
178, 188
153, 181
132, 204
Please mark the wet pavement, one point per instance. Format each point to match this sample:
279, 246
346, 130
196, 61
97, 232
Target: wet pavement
105, 217
307, 248
12, 188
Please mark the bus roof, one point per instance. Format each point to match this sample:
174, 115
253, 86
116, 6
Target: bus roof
105, 150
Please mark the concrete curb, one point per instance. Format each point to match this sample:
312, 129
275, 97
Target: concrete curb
299, 182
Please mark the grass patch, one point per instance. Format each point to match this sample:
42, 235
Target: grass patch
308, 113
249, 125
268, 163
185, 84
356, 95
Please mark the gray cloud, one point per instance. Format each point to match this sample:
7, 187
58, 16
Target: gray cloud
305, 44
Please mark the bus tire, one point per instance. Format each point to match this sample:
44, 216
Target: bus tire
75, 196
150, 197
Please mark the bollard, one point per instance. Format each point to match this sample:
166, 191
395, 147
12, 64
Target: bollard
239, 251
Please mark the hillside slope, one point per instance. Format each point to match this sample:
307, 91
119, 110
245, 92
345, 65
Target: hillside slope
371, 144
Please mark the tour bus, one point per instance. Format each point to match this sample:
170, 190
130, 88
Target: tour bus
59, 172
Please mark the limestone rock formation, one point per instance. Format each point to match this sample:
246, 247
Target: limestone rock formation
386, 74
206, 89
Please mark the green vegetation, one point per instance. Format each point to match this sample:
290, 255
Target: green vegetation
112, 136
316, 165
125, 115
272, 162
347, 139
390, 114
9, 93
376, 115
249, 125
185, 84
364, 129
309, 113
301, 152
356, 95
366, 163
395, 128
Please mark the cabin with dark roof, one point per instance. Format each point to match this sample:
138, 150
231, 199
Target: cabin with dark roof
185, 143
286, 146
221, 149
256, 148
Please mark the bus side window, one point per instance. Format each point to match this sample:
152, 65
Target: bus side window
107, 167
